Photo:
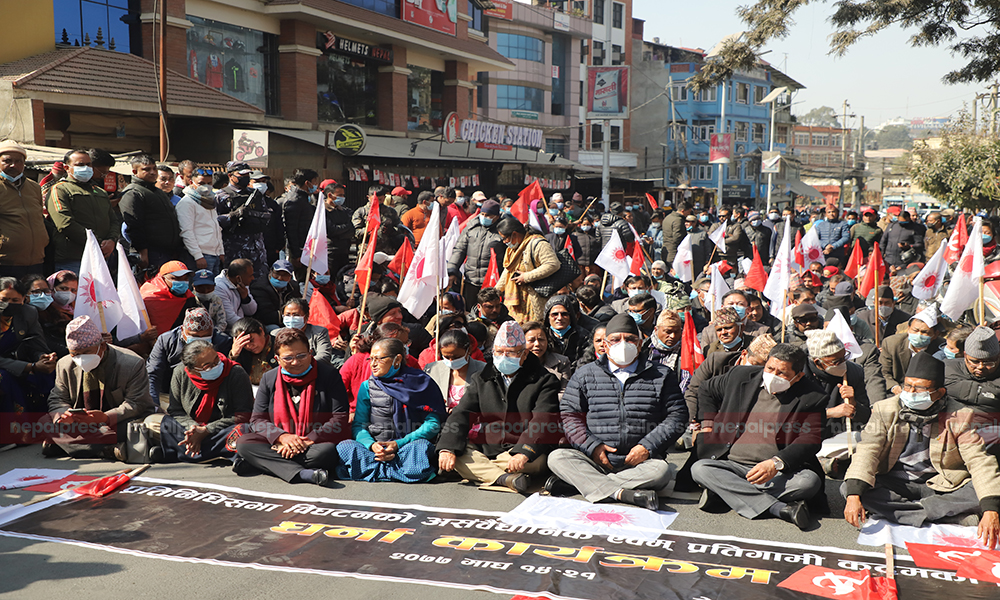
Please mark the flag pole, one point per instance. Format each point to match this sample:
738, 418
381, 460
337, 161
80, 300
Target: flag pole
604, 284
100, 312
309, 268
586, 210
878, 318
982, 301
784, 306
850, 428
361, 252
437, 320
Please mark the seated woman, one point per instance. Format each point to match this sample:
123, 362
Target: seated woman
398, 413
64, 285
455, 321
52, 319
537, 342
252, 349
358, 368
452, 303
453, 371
299, 415
295, 315
209, 396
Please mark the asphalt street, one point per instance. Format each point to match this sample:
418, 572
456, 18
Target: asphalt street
37, 570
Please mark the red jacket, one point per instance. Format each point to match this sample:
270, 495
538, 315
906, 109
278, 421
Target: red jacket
164, 308
357, 369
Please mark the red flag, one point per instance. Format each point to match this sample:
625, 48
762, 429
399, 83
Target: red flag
492, 272
322, 314
363, 272
569, 247
842, 584
756, 279
638, 259
691, 354
472, 219
374, 216
103, 486
957, 241
856, 261
946, 558
522, 206
875, 265
652, 201
985, 567
401, 262
798, 249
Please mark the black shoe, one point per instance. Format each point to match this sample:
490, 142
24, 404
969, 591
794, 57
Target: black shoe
320, 476
711, 503
156, 454
797, 514
557, 487
642, 498
518, 482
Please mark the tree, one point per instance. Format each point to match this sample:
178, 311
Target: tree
824, 116
963, 171
894, 136
969, 28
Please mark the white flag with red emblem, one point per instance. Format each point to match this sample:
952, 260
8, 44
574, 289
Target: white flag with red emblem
96, 296
719, 236
931, 277
780, 277
717, 289
963, 291
812, 251
613, 257
134, 317
314, 253
450, 240
839, 326
684, 261
419, 288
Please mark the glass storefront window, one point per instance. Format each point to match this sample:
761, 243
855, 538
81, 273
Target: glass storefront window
425, 91
512, 45
519, 97
229, 59
385, 7
346, 90
81, 19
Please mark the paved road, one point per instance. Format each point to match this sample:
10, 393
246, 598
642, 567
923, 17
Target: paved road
42, 570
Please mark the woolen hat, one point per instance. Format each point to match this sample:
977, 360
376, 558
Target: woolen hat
925, 366
12, 146
822, 343
844, 288
378, 305
82, 333
491, 208
622, 323
982, 344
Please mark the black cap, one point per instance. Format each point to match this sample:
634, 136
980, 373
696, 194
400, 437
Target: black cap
804, 310
378, 305
622, 323
884, 291
925, 366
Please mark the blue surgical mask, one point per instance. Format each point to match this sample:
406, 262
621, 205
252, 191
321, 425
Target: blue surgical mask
634, 292
693, 294
179, 288
213, 373
322, 279
987, 238
654, 227
919, 340
732, 344
703, 218
192, 338
312, 189
278, 283
11, 179
851, 222
893, 218
741, 311
511, 245
260, 187
586, 228
392, 371
40, 301
558, 230
916, 400
948, 353
295, 322
506, 364
456, 364
485, 221
339, 200
854, 320
559, 205
561, 332
689, 227
755, 223
637, 317
302, 374
541, 210
83, 174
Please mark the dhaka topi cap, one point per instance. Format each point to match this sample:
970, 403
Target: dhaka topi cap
82, 333
510, 335
822, 343
197, 319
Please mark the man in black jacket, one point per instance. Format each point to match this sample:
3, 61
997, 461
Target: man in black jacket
339, 229
903, 242
272, 293
621, 413
974, 379
244, 217
761, 430
473, 248
883, 317
297, 211
842, 380
150, 218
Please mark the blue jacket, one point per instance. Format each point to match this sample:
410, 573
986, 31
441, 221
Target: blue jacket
833, 233
649, 409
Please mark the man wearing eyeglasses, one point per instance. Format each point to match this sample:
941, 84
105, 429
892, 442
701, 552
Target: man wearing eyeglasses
621, 413
841, 379
920, 461
805, 317
974, 380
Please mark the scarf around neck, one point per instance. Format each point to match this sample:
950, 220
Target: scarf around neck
288, 416
210, 389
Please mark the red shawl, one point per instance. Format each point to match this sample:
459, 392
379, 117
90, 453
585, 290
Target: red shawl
163, 307
286, 415
211, 388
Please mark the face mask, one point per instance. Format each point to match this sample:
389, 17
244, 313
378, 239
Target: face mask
506, 364
755, 222
11, 179
456, 364
295, 322
637, 317
63, 297
851, 222
885, 311
40, 301
837, 371
302, 374
774, 216
893, 219
213, 373
693, 294
511, 245
775, 384
278, 283
658, 343
191, 338
654, 227
87, 362
586, 228
243, 181
485, 221
460, 201
561, 332
689, 227
83, 174
633, 292
854, 320
552, 211
392, 371
203, 298
916, 400
948, 353
703, 218
741, 311
504, 211
428, 208
558, 230
339, 200
733, 344
179, 288
322, 279
919, 340
623, 353
260, 187
987, 238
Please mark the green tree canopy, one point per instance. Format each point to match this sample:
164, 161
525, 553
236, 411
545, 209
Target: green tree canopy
823, 116
963, 171
894, 136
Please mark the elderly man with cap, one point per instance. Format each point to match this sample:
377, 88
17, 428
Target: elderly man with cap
919, 460
200, 228
272, 293
728, 328
169, 346
516, 401
244, 216
76, 204
922, 335
842, 380
99, 389
974, 380
474, 247
719, 363
881, 314
761, 428
232, 286
621, 414
22, 224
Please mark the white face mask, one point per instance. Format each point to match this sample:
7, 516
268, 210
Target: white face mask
916, 400
837, 371
87, 362
623, 353
775, 384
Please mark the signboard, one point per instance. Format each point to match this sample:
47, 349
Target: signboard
720, 148
496, 136
770, 162
439, 15
736, 190
560, 21
349, 140
524, 114
607, 93
502, 9
250, 146
449, 131
330, 42
555, 71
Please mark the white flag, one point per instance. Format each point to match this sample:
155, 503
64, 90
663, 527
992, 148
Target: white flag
613, 257
812, 251
96, 293
315, 246
877, 532
583, 517
419, 288
719, 236
963, 291
449, 242
840, 327
534, 223
133, 322
778, 280
931, 277
684, 261
717, 289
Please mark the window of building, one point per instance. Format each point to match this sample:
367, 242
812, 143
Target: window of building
581, 140
483, 79
519, 97
237, 61
385, 7
556, 146
425, 90
522, 47
820, 139
742, 93
679, 92
617, 56
346, 89
801, 139
703, 132
733, 172
617, 15
616, 135
759, 92
835, 140
704, 173
583, 52
599, 12
758, 133
582, 94
750, 169
560, 60
105, 23
710, 94
781, 135
596, 136
598, 58
476, 14
741, 131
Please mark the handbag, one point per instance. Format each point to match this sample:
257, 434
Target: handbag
138, 444
568, 271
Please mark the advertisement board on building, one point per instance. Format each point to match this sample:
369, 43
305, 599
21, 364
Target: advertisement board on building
349, 140
720, 148
250, 146
607, 92
502, 9
560, 21
439, 15
330, 42
736, 190
770, 162
491, 136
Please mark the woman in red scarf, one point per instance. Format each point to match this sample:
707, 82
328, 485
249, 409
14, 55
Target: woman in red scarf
299, 415
209, 396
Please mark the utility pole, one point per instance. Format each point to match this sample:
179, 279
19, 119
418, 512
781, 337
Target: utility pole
859, 165
843, 149
770, 148
163, 81
722, 130
606, 141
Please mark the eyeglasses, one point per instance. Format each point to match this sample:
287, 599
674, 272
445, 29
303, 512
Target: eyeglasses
290, 358
988, 364
204, 368
613, 339
559, 314
379, 359
508, 353
912, 388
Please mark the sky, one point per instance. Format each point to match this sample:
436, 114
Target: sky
882, 77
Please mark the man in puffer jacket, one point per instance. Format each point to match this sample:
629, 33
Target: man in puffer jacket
621, 413
614, 220
473, 248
